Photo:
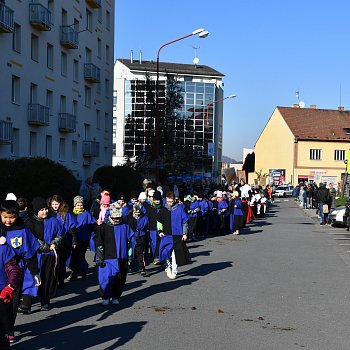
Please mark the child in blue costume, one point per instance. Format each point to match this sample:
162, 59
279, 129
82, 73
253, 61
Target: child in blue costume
236, 214
85, 227
49, 232
10, 280
60, 209
111, 241
193, 209
138, 223
152, 222
25, 246
173, 227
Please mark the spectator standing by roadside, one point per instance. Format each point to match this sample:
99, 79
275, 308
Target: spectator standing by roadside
323, 199
333, 193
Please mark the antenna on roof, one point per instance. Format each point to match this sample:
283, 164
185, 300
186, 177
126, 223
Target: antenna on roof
196, 59
300, 103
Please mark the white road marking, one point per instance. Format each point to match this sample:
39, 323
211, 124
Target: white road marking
344, 243
341, 239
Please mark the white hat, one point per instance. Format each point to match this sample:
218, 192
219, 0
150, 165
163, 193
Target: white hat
151, 193
11, 197
219, 194
142, 195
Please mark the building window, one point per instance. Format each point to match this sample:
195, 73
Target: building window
87, 97
98, 88
49, 99
51, 7
76, 70
74, 151
108, 51
88, 20
108, 20
15, 142
64, 64
63, 104
98, 119
33, 93
75, 107
339, 154
99, 47
48, 146
106, 122
62, 149
32, 144
99, 14
64, 17
16, 38
107, 88
34, 48
15, 90
315, 154
49, 56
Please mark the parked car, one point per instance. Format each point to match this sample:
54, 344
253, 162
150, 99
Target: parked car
284, 191
337, 216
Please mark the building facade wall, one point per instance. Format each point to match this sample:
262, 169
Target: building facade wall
275, 148
197, 92
52, 75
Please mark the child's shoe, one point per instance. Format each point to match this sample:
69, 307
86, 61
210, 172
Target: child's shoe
105, 302
115, 301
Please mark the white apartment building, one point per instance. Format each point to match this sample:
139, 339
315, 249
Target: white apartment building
56, 66
200, 122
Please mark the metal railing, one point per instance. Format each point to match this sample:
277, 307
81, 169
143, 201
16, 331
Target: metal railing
91, 148
6, 132
67, 122
94, 3
39, 16
38, 114
69, 37
92, 73
6, 19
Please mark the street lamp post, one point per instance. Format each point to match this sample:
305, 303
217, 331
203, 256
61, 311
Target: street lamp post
202, 34
207, 124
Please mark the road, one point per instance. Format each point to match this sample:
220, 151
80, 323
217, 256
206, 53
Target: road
284, 284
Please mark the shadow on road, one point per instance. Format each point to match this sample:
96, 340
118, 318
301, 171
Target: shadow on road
79, 337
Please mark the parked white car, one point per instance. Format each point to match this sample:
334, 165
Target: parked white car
284, 191
336, 216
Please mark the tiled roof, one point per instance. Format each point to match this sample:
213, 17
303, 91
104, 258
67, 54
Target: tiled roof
317, 124
171, 68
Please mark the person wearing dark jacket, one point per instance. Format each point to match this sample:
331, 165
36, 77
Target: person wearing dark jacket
323, 198
10, 281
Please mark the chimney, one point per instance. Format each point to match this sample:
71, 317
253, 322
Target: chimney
313, 106
140, 57
341, 108
132, 56
296, 105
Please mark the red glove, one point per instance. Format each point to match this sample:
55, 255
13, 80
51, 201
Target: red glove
7, 294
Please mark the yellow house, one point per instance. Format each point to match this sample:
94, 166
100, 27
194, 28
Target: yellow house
303, 144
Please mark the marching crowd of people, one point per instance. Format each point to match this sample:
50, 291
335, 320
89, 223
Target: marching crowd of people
40, 241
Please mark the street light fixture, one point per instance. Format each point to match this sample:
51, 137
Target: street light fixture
202, 33
207, 123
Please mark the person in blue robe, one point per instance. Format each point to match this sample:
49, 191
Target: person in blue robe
50, 234
86, 224
10, 281
25, 246
173, 228
111, 245
236, 214
138, 223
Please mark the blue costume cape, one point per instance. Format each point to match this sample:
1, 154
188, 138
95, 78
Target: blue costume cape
141, 230
237, 211
111, 269
84, 226
25, 245
6, 254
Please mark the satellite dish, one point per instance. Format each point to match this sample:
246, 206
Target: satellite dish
301, 104
196, 60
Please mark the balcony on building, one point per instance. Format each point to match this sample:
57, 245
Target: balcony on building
5, 132
6, 19
91, 73
69, 37
38, 114
91, 149
94, 3
67, 122
39, 17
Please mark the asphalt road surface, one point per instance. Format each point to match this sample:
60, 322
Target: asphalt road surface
284, 284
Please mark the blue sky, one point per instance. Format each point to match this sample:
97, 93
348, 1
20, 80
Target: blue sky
266, 49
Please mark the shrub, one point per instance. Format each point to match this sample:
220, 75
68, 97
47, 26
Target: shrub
30, 177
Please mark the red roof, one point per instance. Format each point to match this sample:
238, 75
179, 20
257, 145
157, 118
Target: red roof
317, 124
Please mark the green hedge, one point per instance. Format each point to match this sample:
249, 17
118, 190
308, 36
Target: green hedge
30, 177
